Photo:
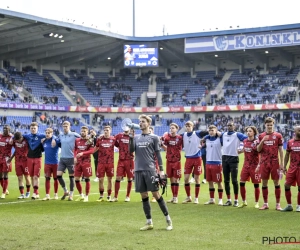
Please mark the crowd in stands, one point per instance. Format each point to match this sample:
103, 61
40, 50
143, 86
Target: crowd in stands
3, 120
49, 100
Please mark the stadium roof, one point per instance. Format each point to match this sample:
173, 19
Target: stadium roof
28, 38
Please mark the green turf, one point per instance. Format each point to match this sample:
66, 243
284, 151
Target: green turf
93, 225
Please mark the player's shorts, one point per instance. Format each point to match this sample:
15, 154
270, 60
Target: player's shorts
21, 167
248, 172
214, 172
193, 165
4, 168
174, 169
270, 168
50, 169
105, 168
34, 166
125, 168
293, 176
83, 168
66, 163
144, 181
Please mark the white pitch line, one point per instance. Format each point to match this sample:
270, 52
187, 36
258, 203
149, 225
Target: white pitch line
31, 200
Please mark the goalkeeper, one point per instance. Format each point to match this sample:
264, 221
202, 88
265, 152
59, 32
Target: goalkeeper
146, 179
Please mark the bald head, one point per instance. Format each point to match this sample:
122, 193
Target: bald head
297, 132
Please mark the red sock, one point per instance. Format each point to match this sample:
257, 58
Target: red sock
256, 194
173, 189
288, 196
298, 200
87, 188
1, 182
212, 193
78, 186
36, 189
277, 194
176, 189
117, 188
5, 184
236, 196
27, 188
129, 185
55, 186
21, 188
220, 192
47, 186
109, 192
197, 190
187, 189
265, 194
228, 197
243, 192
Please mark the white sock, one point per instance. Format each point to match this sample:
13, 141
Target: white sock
168, 217
149, 221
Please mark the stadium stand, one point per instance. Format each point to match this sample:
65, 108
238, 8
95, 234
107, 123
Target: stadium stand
250, 87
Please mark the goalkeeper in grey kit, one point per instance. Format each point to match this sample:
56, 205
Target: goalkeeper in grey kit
146, 178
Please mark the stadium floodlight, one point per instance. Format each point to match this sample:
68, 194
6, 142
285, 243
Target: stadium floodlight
108, 58
62, 41
61, 36
266, 52
216, 55
56, 35
51, 34
161, 48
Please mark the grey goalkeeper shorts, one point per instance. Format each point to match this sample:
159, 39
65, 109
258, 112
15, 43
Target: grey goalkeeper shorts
66, 163
144, 181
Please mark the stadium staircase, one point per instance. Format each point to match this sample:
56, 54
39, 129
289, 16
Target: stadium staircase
66, 91
219, 87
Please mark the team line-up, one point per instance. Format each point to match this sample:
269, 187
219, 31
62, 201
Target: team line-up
222, 149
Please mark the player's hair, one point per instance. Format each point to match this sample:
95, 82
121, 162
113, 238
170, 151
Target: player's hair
84, 127
17, 136
254, 129
269, 120
174, 124
107, 126
212, 127
6, 125
189, 123
49, 130
66, 123
147, 117
33, 124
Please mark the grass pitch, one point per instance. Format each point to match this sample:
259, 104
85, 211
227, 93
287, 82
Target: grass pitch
29, 224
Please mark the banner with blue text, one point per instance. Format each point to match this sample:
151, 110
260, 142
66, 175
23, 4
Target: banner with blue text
243, 41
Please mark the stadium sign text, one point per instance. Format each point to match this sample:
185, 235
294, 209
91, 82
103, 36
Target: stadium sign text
243, 41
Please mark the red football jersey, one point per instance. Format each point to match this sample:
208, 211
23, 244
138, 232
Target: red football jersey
5, 147
21, 149
122, 142
106, 149
174, 147
251, 154
269, 150
293, 147
82, 146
